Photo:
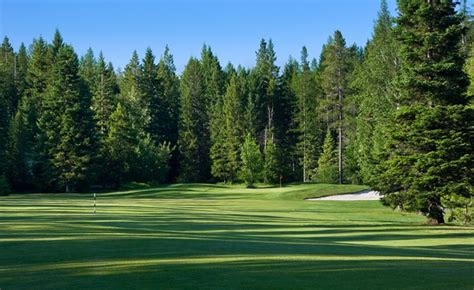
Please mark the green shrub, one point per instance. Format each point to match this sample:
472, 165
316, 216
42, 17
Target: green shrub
4, 186
327, 171
252, 163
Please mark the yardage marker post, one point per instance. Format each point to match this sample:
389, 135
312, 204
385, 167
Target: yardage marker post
94, 203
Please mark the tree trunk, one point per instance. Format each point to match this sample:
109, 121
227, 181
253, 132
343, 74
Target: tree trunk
304, 157
304, 139
340, 154
341, 178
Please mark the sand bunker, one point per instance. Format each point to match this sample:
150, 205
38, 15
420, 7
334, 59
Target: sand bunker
363, 195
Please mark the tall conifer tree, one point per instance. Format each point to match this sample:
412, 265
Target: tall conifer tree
218, 149
56, 45
88, 71
194, 125
373, 83
327, 170
67, 123
335, 78
120, 144
149, 86
165, 103
234, 123
131, 95
164, 110
430, 159
21, 71
228, 132
8, 96
307, 118
18, 169
38, 76
266, 73
104, 99
288, 89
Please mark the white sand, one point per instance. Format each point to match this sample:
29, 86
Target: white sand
363, 195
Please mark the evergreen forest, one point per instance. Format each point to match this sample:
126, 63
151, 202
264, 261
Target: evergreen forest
396, 115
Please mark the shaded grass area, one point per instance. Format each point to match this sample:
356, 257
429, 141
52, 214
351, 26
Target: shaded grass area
295, 191
225, 237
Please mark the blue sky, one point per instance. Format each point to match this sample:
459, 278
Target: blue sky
232, 28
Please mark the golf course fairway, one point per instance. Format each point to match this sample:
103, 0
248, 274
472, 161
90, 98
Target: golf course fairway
202, 236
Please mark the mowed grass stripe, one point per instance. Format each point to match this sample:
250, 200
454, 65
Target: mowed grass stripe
221, 259
225, 237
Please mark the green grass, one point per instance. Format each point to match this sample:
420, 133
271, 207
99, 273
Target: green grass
225, 237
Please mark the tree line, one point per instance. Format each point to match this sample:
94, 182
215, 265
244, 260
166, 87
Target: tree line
395, 114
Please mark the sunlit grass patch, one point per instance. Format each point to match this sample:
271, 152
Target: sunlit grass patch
225, 237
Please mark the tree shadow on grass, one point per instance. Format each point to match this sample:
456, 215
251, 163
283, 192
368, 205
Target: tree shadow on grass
171, 246
237, 261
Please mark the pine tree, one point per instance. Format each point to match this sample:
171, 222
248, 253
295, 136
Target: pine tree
131, 155
67, 122
266, 73
271, 120
252, 114
252, 164
430, 135
470, 70
104, 98
165, 108
164, 111
4, 124
214, 100
8, 96
307, 119
151, 163
18, 169
38, 76
194, 136
151, 88
201, 89
284, 135
289, 86
350, 105
218, 153
21, 71
44, 112
335, 78
131, 95
154, 147
104, 101
327, 171
213, 76
9, 73
121, 143
234, 123
56, 45
271, 168
228, 131
229, 70
148, 86
88, 71
373, 83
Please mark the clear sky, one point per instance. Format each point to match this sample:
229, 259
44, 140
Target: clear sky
233, 28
